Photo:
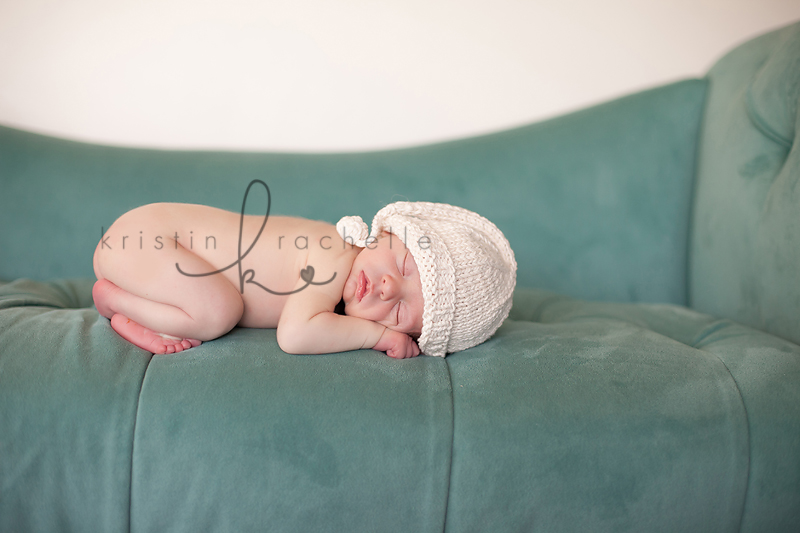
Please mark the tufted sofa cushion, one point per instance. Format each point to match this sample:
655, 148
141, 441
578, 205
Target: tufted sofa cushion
575, 415
588, 416
234, 435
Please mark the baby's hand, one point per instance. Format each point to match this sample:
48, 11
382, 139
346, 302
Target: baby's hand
397, 345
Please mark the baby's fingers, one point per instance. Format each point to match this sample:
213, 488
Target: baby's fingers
396, 353
406, 348
413, 349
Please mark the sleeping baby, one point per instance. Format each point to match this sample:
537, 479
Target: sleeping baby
430, 278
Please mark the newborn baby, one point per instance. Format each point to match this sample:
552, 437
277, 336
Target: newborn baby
430, 278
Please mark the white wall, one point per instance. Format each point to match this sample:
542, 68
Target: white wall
334, 75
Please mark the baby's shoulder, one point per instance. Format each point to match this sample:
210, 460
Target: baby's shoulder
306, 225
319, 239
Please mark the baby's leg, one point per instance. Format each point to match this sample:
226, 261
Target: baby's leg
109, 297
146, 298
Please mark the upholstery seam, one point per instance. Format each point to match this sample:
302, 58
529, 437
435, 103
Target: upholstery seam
716, 328
133, 444
452, 443
761, 124
708, 331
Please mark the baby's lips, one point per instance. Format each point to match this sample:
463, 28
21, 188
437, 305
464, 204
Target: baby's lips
361, 285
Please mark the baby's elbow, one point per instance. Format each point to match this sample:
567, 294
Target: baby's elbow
290, 346
290, 341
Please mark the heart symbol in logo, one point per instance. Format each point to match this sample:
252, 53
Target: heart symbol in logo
307, 274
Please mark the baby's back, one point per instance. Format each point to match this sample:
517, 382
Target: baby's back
259, 255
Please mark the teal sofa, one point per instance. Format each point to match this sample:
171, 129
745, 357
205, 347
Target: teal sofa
647, 379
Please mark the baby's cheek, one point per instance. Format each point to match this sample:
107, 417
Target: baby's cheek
354, 311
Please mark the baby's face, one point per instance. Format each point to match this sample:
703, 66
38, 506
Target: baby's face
384, 286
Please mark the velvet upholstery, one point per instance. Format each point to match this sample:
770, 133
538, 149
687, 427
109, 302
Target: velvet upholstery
745, 246
647, 378
235, 435
606, 193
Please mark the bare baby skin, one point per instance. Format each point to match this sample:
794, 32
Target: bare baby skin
171, 276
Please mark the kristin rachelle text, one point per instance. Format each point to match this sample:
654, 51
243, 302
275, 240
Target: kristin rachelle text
301, 242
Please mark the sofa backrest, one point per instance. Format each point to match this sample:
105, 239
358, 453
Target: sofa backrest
744, 253
595, 203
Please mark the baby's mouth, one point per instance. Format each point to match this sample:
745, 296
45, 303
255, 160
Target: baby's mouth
362, 286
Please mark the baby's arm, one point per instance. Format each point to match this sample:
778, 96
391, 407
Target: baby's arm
327, 332
308, 324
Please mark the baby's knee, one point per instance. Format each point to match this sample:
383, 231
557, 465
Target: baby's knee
221, 314
231, 313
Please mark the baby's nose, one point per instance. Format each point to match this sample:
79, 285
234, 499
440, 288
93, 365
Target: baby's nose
388, 287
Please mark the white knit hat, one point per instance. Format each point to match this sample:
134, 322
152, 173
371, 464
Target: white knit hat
465, 264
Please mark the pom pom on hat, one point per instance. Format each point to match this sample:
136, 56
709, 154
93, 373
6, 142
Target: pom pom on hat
353, 230
466, 266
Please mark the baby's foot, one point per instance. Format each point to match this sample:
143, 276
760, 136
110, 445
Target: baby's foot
147, 339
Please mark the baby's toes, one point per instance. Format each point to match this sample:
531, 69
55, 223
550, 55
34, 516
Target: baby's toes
157, 348
178, 347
